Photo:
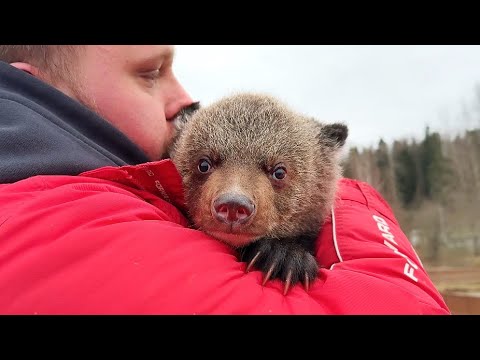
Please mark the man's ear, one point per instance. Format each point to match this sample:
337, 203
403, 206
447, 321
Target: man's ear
32, 70
334, 134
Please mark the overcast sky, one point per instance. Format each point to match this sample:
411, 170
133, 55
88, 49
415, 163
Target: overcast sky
388, 92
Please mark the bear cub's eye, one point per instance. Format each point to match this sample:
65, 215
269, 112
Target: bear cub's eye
279, 173
204, 166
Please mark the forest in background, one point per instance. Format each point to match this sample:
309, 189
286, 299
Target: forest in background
433, 186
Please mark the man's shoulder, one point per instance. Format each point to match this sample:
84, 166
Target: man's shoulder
365, 195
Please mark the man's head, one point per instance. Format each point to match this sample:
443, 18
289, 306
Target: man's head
131, 86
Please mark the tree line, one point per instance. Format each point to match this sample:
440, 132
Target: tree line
433, 186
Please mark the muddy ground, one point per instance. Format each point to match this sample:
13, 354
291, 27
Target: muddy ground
460, 288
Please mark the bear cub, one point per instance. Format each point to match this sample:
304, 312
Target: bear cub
262, 178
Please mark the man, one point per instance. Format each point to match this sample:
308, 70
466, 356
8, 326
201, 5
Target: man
91, 212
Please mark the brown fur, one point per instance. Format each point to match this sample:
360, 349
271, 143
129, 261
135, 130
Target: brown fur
245, 136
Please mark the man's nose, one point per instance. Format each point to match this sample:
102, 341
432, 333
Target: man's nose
179, 99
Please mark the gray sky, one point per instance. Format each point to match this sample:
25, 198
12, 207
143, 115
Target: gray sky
388, 92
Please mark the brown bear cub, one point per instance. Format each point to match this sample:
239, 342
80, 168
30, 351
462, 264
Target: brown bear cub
261, 178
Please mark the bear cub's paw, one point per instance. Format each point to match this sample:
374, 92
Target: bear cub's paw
281, 259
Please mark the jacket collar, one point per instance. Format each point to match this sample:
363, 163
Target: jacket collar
160, 178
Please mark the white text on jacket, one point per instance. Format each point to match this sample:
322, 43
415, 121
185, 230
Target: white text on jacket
389, 240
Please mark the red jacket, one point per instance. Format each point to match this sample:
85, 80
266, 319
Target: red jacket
111, 242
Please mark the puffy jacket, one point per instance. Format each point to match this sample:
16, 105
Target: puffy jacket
111, 238
110, 241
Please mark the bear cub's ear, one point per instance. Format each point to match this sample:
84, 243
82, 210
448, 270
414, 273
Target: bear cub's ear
334, 134
179, 122
186, 113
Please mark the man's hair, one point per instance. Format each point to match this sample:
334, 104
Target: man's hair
54, 60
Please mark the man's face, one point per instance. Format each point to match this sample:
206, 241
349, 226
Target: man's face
134, 88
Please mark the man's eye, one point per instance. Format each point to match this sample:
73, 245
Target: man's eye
151, 75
